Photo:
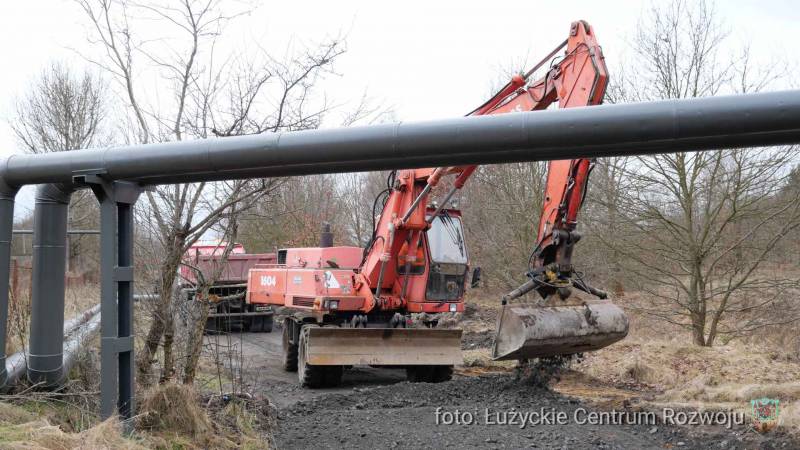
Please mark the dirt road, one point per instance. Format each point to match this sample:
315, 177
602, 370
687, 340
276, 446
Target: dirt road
377, 408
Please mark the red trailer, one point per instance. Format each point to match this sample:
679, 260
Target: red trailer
230, 307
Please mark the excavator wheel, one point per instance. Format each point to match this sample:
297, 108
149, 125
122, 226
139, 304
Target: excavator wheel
429, 374
315, 376
254, 324
333, 375
309, 375
266, 324
289, 349
441, 374
261, 324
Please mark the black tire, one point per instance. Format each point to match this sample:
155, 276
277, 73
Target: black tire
333, 375
254, 324
440, 374
308, 375
266, 324
223, 323
289, 349
211, 326
417, 374
429, 374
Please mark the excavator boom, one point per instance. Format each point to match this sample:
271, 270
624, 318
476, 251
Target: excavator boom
558, 324
561, 323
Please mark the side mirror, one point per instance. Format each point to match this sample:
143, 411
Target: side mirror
476, 278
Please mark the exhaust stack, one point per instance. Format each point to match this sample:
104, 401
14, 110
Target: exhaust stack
326, 236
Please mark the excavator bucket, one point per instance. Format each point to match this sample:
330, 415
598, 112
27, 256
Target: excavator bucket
383, 346
527, 331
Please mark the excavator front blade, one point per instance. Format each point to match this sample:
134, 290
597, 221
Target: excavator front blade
383, 346
527, 331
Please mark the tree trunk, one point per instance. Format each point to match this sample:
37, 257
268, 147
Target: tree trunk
162, 317
714, 326
697, 316
194, 345
145, 358
698, 332
169, 359
168, 366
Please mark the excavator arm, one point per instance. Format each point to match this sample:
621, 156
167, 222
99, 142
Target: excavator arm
576, 77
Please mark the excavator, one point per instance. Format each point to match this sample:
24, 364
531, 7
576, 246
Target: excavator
380, 305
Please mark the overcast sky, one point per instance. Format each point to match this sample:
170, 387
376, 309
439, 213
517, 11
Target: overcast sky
426, 59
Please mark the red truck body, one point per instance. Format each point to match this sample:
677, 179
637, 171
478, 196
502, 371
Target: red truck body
206, 258
229, 302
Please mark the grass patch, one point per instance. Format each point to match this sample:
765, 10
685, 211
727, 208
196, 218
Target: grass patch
21, 429
173, 408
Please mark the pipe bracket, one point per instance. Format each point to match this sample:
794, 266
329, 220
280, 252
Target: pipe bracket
117, 344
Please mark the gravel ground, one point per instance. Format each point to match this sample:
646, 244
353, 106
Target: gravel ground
376, 408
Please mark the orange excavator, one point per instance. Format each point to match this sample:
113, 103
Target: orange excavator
380, 305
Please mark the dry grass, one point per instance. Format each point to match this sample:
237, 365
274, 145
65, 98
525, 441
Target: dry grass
76, 300
669, 363
174, 408
22, 429
790, 417
170, 417
658, 364
173, 418
661, 359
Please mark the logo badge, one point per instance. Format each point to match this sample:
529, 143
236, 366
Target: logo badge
765, 413
330, 281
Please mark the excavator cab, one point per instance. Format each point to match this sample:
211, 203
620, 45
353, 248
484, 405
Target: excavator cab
449, 263
437, 273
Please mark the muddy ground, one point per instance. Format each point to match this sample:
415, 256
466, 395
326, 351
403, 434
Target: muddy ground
377, 408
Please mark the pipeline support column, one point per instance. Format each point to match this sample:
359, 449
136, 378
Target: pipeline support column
45, 353
116, 294
7, 195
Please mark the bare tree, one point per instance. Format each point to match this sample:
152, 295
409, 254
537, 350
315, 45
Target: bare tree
197, 306
601, 221
501, 210
501, 207
64, 110
61, 111
294, 216
209, 96
359, 194
697, 228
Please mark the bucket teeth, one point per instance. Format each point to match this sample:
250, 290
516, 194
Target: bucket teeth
526, 331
